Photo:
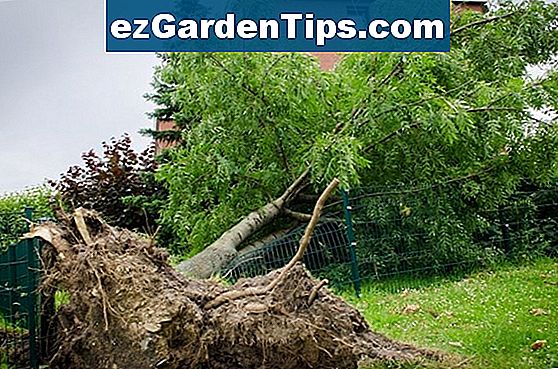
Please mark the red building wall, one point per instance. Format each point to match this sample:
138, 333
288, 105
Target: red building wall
163, 125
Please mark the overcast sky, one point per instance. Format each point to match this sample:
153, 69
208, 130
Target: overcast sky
60, 94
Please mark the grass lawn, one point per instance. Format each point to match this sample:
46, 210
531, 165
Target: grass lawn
490, 319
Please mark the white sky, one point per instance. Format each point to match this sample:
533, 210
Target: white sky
60, 94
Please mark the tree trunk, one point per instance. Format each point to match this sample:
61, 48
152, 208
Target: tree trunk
221, 252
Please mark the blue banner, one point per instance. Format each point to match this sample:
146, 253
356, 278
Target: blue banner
277, 25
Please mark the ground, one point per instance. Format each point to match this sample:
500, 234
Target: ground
491, 319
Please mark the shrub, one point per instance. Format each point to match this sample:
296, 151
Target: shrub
12, 205
119, 184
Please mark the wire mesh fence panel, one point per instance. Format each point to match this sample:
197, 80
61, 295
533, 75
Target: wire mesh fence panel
408, 237
328, 246
400, 238
19, 302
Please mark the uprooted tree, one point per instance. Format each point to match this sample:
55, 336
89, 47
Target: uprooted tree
129, 309
258, 133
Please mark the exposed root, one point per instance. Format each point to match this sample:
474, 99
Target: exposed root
129, 309
315, 290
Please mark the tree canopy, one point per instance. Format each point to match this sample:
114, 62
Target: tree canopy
250, 124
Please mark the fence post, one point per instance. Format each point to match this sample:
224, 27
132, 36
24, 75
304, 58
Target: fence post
352, 242
46, 313
32, 266
505, 229
12, 265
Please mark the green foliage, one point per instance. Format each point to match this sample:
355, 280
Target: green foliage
119, 184
61, 298
239, 143
490, 319
12, 206
249, 123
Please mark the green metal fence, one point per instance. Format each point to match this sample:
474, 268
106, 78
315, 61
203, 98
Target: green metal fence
399, 238
22, 323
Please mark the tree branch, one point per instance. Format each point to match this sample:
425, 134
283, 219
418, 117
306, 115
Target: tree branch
293, 189
357, 111
495, 108
303, 217
243, 84
481, 22
419, 102
225, 248
391, 135
315, 291
396, 69
419, 189
305, 197
309, 230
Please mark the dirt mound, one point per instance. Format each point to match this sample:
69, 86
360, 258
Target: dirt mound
130, 309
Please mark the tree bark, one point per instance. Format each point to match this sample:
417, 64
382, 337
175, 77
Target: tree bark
221, 252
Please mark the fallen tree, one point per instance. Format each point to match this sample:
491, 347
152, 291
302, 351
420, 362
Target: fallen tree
247, 125
129, 309
225, 249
